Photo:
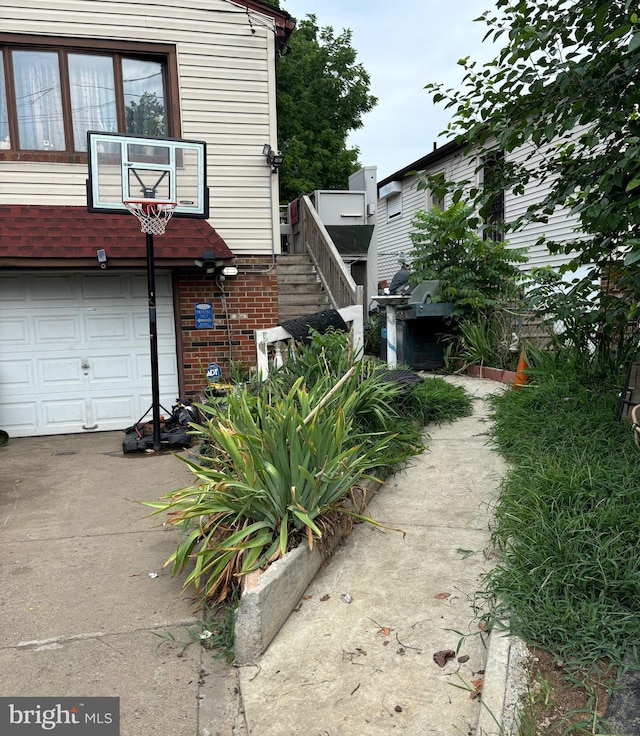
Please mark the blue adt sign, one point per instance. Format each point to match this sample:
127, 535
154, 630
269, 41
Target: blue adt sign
204, 315
214, 371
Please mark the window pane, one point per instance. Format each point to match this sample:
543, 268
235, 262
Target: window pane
144, 97
93, 96
4, 116
394, 205
38, 100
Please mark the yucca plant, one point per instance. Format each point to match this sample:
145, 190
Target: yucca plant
283, 472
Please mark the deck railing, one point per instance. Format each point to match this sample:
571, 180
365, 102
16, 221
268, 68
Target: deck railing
270, 342
337, 282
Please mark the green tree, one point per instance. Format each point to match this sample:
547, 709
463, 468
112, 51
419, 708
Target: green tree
322, 94
477, 275
147, 116
565, 82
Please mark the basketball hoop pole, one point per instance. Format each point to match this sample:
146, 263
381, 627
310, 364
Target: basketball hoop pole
153, 216
153, 343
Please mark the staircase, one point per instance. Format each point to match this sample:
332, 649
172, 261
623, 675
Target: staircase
299, 289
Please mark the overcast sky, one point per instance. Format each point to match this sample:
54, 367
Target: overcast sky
403, 44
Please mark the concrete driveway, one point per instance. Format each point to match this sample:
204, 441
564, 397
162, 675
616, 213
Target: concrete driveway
81, 601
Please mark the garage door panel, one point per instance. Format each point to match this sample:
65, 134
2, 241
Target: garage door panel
53, 325
56, 373
49, 288
116, 409
21, 416
139, 285
108, 287
64, 412
144, 405
164, 326
165, 368
53, 330
14, 331
12, 289
99, 328
15, 374
110, 369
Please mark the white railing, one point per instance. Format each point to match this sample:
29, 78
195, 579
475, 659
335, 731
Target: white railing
336, 280
269, 343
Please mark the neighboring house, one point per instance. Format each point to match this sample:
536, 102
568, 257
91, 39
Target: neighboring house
399, 199
74, 337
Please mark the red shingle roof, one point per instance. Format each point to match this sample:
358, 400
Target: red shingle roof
39, 231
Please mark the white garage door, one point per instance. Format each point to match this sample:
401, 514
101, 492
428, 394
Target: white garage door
74, 351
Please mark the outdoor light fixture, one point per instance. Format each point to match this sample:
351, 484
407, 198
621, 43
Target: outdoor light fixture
215, 266
274, 158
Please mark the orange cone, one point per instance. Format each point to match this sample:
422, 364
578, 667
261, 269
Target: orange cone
521, 378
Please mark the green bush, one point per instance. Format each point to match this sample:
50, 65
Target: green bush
477, 275
281, 469
279, 458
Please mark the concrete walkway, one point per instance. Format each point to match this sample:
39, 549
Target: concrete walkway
367, 666
80, 610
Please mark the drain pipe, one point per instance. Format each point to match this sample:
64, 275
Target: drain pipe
219, 281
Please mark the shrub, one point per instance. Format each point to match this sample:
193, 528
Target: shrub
279, 458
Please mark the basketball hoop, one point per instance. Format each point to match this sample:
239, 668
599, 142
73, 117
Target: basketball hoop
153, 214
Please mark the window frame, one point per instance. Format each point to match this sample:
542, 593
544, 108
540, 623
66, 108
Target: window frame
433, 200
397, 214
165, 54
493, 213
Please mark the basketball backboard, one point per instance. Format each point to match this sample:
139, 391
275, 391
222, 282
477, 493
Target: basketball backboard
123, 168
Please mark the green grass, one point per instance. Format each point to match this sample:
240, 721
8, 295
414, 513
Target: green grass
567, 522
434, 401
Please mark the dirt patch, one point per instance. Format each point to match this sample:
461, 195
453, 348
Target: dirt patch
561, 699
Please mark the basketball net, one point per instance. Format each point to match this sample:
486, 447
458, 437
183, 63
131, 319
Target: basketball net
153, 215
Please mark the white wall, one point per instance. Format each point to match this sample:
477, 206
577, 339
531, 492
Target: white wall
393, 235
227, 89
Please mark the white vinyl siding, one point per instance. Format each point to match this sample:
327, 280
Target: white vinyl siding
562, 225
393, 234
226, 81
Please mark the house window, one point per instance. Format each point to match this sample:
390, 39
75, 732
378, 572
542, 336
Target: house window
4, 118
493, 210
436, 200
394, 205
52, 93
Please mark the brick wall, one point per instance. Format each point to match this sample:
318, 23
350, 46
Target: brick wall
251, 303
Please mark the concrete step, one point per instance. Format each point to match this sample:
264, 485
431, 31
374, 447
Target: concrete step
302, 299
300, 291
298, 278
286, 313
285, 258
285, 272
301, 287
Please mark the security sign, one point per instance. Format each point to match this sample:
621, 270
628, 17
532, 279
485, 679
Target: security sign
214, 372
